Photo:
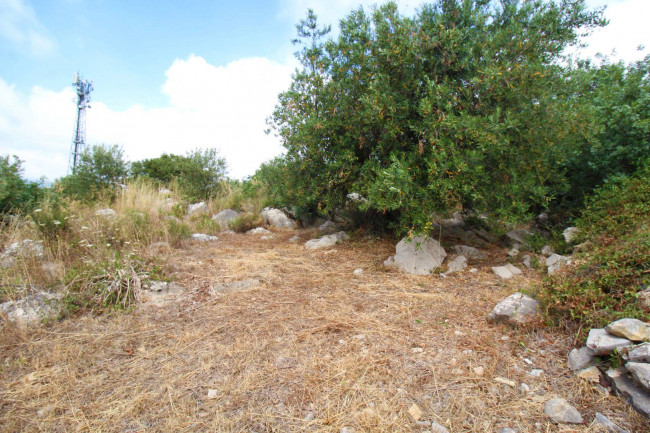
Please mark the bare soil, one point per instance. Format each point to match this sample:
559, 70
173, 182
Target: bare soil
312, 348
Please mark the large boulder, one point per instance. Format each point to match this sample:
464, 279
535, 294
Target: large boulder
197, 209
632, 329
418, 256
224, 218
516, 308
277, 218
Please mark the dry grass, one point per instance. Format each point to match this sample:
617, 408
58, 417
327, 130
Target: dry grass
313, 348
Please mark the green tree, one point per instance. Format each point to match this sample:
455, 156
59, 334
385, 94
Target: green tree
463, 105
101, 168
16, 193
200, 174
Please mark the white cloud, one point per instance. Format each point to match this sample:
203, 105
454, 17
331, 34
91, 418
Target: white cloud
22, 30
223, 107
628, 28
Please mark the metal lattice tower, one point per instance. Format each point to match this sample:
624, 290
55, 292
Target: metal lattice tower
79, 140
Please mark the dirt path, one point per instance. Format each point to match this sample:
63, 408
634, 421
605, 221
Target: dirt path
311, 348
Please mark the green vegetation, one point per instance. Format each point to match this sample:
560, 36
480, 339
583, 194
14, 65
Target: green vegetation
462, 106
16, 193
610, 276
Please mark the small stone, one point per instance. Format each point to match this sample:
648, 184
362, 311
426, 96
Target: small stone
212, 393
479, 371
458, 264
470, 252
590, 374
358, 271
505, 381
560, 411
602, 422
581, 358
259, 231
640, 372
438, 428
473, 270
603, 343
508, 430
502, 272
518, 308
415, 412
632, 329
526, 259
547, 250
554, 262
322, 242
514, 252
417, 350
536, 373
202, 237
347, 430
266, 238
570, 234
294, 239
524, 388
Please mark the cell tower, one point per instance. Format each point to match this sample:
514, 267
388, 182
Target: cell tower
79, 140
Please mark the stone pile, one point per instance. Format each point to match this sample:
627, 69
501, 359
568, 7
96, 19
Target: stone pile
631, 339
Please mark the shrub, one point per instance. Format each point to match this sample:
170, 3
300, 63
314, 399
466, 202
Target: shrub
606, 283
16, 193
101, 170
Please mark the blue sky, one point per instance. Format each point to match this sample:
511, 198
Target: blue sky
171, 76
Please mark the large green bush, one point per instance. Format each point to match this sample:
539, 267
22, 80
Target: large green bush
16, 193
199, 175
463, 105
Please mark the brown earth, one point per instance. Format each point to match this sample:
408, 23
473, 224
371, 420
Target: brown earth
312, 348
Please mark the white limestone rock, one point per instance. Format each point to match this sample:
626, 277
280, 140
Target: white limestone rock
581, 358
560, 411
632, 329
202, 237
277, 218
197, 209
419, 256
555, 262
224, 218
516, 308
604, 343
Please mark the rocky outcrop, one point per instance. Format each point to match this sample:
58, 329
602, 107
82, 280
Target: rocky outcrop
418, 256
32, 308
26, 248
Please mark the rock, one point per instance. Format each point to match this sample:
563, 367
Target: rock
486, 236
602, 423
164, 191
328, 227
560, 411
26, 248
473, 270
640, 372
479, 371
235, 286
197, 209
554, 262
507, 271
581, 358
106, 213
603, 343
341, 236
322, 242
516, 238
455, 221
277, 218
644, 298
640, 353
358, 271
570, 234
526, 259
418, 256
202, 237
632, 329
629, 391
514, 252
266, 238
536, 372
415, 412
470, 252
259, 231
517, 308
357, 198
346, 430
224, 218
294, 239
508, 430
438, 428
547, 250
590, 374
458, 264
503, 380
32, 308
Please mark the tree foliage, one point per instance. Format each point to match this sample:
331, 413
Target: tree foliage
200, 174
16, 193
100, 168
463, 105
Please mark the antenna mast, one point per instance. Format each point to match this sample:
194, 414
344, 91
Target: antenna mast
83, 89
